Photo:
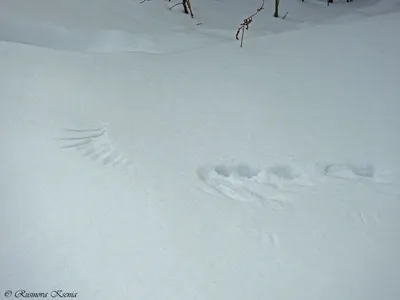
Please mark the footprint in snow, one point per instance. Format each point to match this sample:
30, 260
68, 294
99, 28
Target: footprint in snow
249, 184
350, 171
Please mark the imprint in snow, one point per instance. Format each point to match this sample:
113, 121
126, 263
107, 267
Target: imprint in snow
269, 185
367, 174
354, 172
241, 171
94, 143
241, 182
283, 176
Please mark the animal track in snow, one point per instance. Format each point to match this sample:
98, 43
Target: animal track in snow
272, 184
244, 183
352, 171
94, 143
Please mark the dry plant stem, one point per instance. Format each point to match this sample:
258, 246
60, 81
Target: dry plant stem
175, 5
246, 23
189, 6
186, 5
241, 41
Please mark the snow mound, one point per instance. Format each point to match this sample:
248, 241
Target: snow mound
55, 37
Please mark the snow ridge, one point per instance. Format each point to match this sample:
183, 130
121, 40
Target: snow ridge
59, 38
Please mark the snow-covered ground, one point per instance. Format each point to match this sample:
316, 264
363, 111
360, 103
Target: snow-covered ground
145, 155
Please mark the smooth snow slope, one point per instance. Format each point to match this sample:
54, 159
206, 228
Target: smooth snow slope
200, 170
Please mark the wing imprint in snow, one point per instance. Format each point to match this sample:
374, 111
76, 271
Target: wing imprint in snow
94, 143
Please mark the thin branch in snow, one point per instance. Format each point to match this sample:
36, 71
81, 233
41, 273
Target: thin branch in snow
186, 6
175, 5
246, 23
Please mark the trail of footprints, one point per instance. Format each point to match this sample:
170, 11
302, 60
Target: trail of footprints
275, 183
272, 185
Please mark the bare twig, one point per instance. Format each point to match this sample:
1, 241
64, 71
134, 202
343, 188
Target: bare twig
246, 23
283, 18
186, 5
276, 13
175, 5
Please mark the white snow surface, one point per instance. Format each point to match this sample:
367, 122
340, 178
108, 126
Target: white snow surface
145, 155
